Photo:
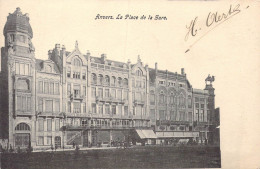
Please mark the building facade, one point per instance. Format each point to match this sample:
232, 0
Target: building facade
76, 98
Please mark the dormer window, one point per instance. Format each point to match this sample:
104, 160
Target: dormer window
48, 68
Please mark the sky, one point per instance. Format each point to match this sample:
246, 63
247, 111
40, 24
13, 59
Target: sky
230, 51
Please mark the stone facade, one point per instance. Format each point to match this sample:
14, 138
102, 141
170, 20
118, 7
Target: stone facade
76, 98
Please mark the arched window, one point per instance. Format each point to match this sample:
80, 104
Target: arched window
139, 72
107, 80
172, 99
113, 81
119, 81
22, 127
100, 79
161, 97
189, 102
125, 82
93, 78
76, 62
181, 100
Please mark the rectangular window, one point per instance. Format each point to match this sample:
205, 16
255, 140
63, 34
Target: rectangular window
119, 107
100, 109
197, 105
107, 109
94, 111
17, 68
190, 116
24, 103
182, 116
84, 108
138, 110
126, 110
162, 115
46, 87
197, 115
84, 90
57, 106
138, 96
113, 109
84, 76
133, 95
201, 115
40, 140
93, 92
57, 88
69, 106
26, 69
19, 103
40, 89
69, 72
173, 115
126, 95
119, 94
51, 88
202, 106
100, 92
152, 99
57, 124
28, 103
40, 105
49, 140
69, 89
106, 93
49, 124
22, 69
113, 93
76, 107
41, 125
49, 106
196, 99
152, 115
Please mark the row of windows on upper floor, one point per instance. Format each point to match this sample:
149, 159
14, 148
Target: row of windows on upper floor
162, 82
47, 87
107, 81
16, 37
180, 116
22, 68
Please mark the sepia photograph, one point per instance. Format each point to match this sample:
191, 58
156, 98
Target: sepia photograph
129, 84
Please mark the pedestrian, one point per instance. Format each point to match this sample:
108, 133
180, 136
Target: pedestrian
73, 144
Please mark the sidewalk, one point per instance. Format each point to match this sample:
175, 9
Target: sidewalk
73, 149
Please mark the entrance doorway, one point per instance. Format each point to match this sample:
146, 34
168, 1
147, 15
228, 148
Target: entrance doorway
57, 142
22, 135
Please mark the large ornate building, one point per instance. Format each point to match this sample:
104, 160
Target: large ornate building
78, 98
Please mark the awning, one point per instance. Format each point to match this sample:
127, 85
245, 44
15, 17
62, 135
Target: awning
140, 134
177, 134
149, 134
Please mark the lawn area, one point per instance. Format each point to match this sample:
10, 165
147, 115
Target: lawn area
136, 157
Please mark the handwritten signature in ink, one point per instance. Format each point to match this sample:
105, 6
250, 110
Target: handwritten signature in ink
212, 21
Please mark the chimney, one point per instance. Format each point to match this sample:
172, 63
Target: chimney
49, 54
182, 71
156, 66
63, 48
104, 57
57, 49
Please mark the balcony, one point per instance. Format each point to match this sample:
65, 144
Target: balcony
79, 97
110, 100
139, 102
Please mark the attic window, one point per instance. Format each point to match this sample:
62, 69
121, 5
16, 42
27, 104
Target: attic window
48, 68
